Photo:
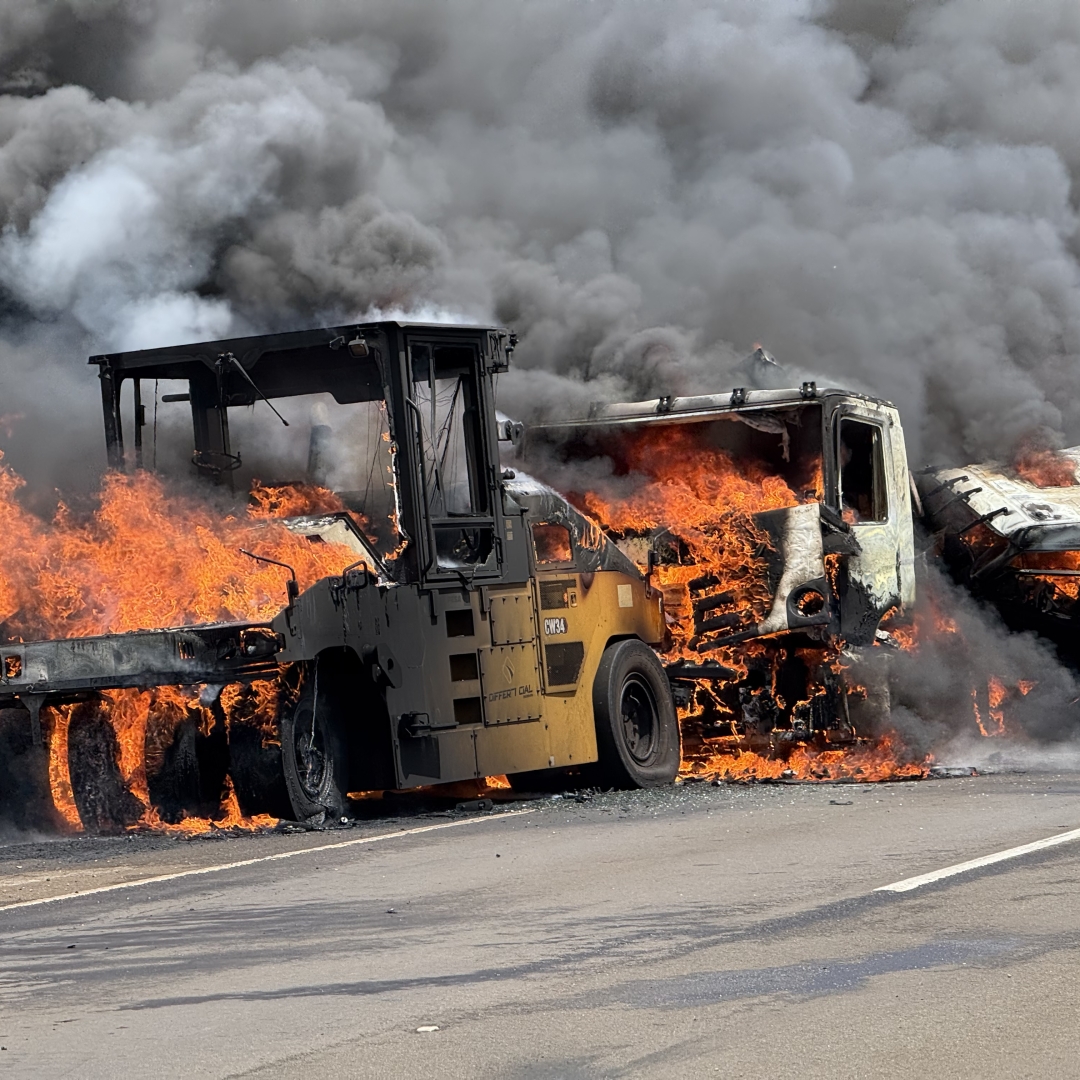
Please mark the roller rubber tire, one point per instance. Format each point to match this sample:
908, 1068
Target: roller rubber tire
314, 757
25, 796
106, 806
189, 777
637, 730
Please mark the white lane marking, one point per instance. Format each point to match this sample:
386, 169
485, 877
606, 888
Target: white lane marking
261, 859
973, 864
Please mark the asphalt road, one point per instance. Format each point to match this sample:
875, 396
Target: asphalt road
699, 931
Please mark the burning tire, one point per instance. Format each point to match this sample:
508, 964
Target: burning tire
185, 765
257, 776
25, 798
103, 800
637, 731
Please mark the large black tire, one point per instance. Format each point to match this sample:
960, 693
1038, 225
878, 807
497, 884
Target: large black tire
256, 772
255, 758
105, 804
25, 796
314, 756
185, 769
637, 730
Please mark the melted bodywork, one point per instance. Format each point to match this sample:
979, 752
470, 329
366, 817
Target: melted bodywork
862, 560
1012, 541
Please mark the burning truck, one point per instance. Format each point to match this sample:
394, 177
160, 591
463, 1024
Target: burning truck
777, 524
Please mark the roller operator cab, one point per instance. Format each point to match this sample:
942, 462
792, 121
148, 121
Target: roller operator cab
483, 626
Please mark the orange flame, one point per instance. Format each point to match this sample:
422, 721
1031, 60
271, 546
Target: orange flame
1061, 586
705, 499
1045, 468
147, 558
865, 764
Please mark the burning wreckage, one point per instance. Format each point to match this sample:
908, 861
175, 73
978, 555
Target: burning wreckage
1012, 536
448, 619
777, 524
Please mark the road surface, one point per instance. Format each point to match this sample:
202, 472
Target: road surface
731, 932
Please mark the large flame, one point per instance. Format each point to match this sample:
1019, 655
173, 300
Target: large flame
146, 558
705, 498
863, 763
702, 497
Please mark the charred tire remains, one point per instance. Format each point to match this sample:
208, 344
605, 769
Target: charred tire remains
102, 798
255, 754
185, 765
25, 798
637, 732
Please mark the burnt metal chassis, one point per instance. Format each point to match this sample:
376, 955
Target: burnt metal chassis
70, 669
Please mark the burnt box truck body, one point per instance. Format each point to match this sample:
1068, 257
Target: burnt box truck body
835, 565
506, 635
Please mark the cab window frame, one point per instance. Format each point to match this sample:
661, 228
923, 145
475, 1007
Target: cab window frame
880, 512
560, 564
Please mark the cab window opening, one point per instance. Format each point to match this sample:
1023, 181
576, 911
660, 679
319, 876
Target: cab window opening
444, 390
862, 472
551, 543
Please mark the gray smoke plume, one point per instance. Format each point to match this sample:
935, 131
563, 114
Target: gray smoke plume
883, 194
880, 193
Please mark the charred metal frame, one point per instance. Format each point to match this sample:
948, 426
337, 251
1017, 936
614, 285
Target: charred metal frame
984, 520
854, 608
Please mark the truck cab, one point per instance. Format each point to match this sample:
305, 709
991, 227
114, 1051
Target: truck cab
780, 525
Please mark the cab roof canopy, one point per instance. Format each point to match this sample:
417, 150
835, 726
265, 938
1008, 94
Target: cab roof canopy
339, 360
353, 363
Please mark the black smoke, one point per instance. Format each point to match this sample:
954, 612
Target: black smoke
883, 194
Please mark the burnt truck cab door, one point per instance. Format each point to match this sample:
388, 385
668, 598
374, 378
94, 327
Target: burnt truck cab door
870, 536
455, 463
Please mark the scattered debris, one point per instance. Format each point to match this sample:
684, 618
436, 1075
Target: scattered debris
476, 805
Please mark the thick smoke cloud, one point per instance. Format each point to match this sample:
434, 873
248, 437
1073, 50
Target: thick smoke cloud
883, 194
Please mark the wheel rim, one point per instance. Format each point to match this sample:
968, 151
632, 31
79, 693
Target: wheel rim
640, 724
309, 752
